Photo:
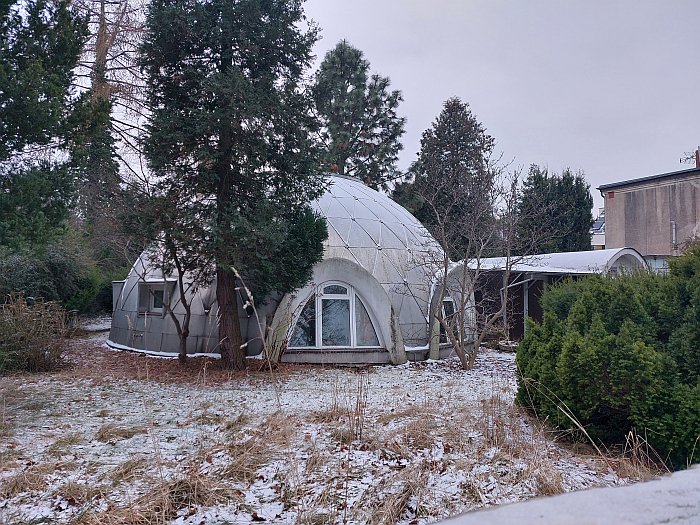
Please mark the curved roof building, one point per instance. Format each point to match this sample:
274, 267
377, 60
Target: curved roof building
368, 300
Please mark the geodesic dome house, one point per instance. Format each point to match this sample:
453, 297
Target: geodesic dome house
368, 300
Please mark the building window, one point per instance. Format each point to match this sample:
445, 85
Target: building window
335, 317
157, 298
449, 317
305, 330
154, 295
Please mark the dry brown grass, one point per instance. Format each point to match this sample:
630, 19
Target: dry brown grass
9, 458
235, 424
411, 411
111, 432
342, 435
315, 461
549, 481
31, 479
250, 450
81, 493
62, 445
472, 493
498, 422
455, 435
209, 418
246, 457
6, 428
638, 460
278, 428
397, 491
323, 509
160, 504
128, 470
336, 408
420, 433
34, 335
331, 414
347, 412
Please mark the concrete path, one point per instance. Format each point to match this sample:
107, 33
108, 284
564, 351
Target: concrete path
673, 499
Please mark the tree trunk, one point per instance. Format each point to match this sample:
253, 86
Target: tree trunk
230, 341
182, 355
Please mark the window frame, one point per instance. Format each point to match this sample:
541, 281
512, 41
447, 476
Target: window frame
448, 319
152, 291
352, 296
146, 295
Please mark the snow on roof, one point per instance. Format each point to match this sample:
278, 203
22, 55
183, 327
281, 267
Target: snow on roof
588, 262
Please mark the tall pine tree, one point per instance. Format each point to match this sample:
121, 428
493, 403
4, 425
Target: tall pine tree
231, 125
452, 188
554, 212
40, 42
361, 128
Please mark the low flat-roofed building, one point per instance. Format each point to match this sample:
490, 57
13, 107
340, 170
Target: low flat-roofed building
655, 215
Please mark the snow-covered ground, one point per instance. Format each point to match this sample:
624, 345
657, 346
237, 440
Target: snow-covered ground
123, 438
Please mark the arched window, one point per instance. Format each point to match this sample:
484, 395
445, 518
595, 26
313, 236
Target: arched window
335, 317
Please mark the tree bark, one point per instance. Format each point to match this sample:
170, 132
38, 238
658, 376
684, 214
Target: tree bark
182, 355
230, 340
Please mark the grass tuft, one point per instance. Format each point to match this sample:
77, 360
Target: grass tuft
110, 432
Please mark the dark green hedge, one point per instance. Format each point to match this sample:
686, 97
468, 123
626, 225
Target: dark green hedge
621, 354
59, 274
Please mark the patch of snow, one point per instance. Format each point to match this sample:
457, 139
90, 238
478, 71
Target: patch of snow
99, 324
425, 440
166, 355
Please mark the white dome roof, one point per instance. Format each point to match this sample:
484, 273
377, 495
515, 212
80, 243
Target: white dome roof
362, 222
367, 227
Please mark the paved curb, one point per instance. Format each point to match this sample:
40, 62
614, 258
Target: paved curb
672, 499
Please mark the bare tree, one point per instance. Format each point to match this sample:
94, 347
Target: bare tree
106, 161
468, 202
109, 64
469, 300
163, 231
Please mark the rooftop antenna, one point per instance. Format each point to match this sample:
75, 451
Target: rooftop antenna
690, 157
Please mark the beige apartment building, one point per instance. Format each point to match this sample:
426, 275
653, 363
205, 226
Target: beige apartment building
654, 215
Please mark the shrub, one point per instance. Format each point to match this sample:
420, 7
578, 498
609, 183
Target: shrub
620, 354
59, 273
32, 336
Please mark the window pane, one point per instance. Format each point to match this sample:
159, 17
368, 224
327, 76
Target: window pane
335, 289
448, 311
336, 322
366, 336
157, 299
305, 330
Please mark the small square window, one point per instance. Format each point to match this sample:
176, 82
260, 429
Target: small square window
152, 297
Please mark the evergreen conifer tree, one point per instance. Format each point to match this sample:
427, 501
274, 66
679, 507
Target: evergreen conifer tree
555, 211
231, 126
40, 42
452, 190
361, 129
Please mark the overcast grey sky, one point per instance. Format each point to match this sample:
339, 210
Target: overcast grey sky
607, 87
